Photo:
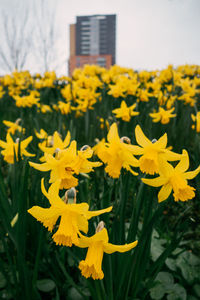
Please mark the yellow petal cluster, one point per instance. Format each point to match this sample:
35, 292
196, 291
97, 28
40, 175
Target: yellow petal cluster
74, 217
174, 179
12, 149
162, 115
116, 154
125, 112
97, 245
64, 162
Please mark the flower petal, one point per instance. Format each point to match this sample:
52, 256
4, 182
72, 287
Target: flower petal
183, 165
113, 133
141, 139
156, 182
91, 214
47, 216
162, 142
41, 167
164, 192
110, 248
191, 174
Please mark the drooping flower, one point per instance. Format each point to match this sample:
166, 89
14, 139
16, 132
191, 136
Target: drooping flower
97, 245
152, 152
74, 217
14, 126
125, 112
11, 148
116, 154
174, 179
162, 115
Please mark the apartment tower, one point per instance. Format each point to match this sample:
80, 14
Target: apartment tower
92, 41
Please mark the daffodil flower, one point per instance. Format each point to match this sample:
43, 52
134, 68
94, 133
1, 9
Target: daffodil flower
74, 217
152, 152
65, 164
174, 179
11, 148
116, 154
97, 245
14, 126
125, 112
163, 115
56, 143
42, 134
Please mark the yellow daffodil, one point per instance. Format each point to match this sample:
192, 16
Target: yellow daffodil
11, 148
97, 245
196, 119
74, 217
12, 127
174, 179
45, 108
116, 90
42, 134
153, 152
116, 154
65, 108
163, 115
55, 142
125, 112
65, 164
27, 101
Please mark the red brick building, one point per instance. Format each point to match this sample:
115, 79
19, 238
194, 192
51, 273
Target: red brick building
92, 41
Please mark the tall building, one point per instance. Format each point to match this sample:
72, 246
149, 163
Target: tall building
92, 41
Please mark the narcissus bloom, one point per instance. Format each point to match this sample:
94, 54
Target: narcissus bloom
14, 126
42, 134
162, 115
97, 245
125, 112
116, 154
66, 164
55, 142
174, 179
153, 152
74, 217
11, 148
196, 119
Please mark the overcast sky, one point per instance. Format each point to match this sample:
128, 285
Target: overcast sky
150, 33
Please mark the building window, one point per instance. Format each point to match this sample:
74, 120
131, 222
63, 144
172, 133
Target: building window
85, 22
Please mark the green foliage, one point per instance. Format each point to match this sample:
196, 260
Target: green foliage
162, 266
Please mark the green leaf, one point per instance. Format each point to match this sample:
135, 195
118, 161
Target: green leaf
189, 265
156, 248
177, 293
74, 294
165, 278
2, 281
157, 292
171, 264
197, 289
45, 285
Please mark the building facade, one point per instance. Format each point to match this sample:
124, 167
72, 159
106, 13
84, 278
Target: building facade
93, 41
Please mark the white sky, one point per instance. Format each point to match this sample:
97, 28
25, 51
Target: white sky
150, 33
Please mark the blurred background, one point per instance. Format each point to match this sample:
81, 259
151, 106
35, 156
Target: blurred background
150, 35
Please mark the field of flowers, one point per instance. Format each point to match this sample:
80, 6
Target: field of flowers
100, 184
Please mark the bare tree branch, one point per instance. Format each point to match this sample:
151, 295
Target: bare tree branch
16, 40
